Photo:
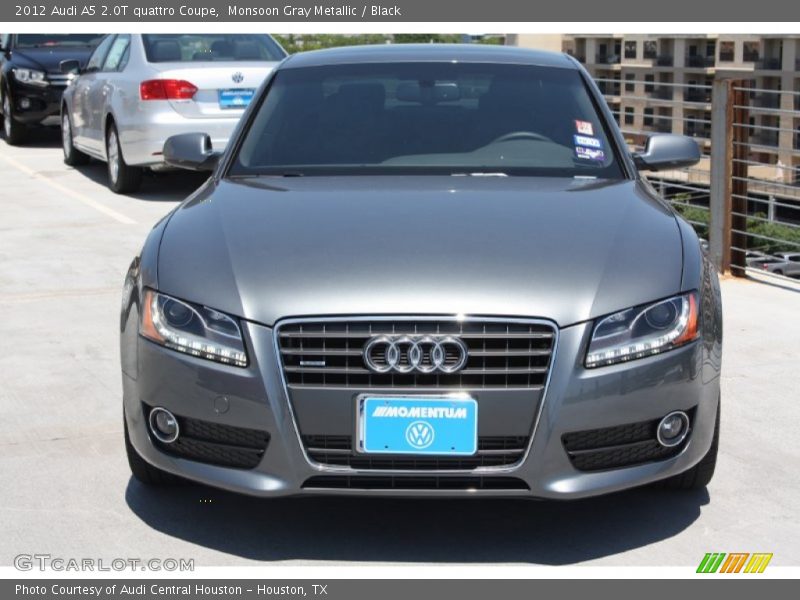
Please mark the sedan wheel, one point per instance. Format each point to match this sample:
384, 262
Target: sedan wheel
72, 156
122, 178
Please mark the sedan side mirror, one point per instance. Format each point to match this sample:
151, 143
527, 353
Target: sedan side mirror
70, 67
191, 151
667, 151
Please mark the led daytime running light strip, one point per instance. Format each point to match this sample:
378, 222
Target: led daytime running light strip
190, 344
627, 352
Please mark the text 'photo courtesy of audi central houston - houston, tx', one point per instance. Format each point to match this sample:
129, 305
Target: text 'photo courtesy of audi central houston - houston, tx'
428, 270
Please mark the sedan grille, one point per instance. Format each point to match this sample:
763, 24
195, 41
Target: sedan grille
500, 354
216, 444
58, 79
423, 482
493, 451
617, 447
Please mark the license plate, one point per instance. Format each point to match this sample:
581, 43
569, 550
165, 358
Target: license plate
235, 98
443, 426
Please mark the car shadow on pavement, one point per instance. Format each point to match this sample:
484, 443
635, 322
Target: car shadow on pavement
166, 186
169, 186
416, 530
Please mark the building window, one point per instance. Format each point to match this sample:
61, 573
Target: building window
726, 51
650, 49
630, 86
648, 83
628, 115
711, 49
630, 49
750, 52
648, 117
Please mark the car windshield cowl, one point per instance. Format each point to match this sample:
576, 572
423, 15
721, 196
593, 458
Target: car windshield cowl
438, 118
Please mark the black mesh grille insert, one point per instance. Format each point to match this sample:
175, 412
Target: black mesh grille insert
493, 451
216, 444
619, 446
424, 482
501, 354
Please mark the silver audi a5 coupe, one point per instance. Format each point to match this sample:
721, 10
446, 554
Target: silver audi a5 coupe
423, 270
137, 90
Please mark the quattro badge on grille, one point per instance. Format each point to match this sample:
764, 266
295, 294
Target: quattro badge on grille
409, 353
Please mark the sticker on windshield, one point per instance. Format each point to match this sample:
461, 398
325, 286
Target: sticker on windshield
589, 153
588, 142
584, 127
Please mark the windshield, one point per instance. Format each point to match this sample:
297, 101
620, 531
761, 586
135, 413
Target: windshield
36, 40
211, 47
454, 118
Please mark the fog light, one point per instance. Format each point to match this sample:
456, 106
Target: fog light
24, 103
164, 425
673, 429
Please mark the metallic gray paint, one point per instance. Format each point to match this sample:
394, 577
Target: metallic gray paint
265, 249
270, 249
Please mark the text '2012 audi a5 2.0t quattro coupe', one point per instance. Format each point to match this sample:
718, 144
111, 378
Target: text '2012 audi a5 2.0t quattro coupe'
423, 270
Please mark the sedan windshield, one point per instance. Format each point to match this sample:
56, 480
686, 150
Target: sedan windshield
37, 40
435, 117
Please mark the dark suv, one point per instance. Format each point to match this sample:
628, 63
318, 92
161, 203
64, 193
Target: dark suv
31, 81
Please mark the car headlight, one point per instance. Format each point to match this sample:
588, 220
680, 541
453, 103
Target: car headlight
30, 76
192, 329
643, 331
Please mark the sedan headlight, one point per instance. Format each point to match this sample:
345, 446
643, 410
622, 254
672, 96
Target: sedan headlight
30, 76
643, 331
192, 329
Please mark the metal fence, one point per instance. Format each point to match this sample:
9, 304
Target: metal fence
743, 197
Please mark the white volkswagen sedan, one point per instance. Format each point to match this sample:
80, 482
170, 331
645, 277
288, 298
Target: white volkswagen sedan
137, 90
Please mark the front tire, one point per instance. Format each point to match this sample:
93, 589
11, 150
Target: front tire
14, 131
700, 475
122, 178
72, 156
142, 470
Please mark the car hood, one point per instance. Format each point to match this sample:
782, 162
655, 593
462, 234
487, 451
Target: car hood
563, 249
49, 59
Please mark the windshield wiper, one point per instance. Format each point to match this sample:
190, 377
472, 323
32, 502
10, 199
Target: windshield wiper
480, 174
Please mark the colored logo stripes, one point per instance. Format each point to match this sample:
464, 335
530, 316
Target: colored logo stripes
734, 562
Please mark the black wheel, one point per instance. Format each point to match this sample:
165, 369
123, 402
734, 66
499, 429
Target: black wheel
72, 156
778, 272
699, 476
14, 131
142, 470
122, 178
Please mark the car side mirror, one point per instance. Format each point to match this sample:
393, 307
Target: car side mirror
191, 151
667, 151
69, 67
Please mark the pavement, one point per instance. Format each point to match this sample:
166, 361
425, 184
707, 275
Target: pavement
65, 244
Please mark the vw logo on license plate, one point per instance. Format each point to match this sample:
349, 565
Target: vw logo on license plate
419, 434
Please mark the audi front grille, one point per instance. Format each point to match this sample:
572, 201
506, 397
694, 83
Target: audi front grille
500, 353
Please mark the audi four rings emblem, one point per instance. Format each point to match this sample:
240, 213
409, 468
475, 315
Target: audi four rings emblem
408, 353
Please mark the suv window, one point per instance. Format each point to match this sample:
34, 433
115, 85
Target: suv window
38, 40
428, 117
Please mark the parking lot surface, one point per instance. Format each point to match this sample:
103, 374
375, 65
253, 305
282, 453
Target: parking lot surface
65, 244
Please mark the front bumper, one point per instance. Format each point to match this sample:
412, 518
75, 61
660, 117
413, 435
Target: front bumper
576, 399
43, 103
